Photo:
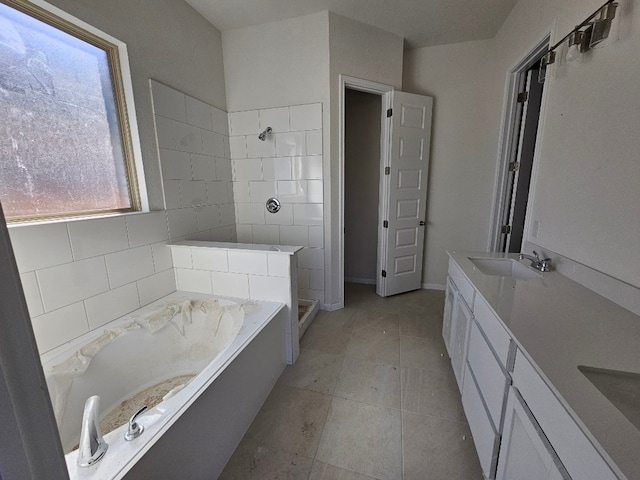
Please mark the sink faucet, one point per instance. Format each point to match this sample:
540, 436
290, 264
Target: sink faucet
544, 265
92, 446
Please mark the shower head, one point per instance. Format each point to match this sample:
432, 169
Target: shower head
263, 135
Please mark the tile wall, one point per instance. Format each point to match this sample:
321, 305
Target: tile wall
193, 142
81, 274
232, 271
288, 166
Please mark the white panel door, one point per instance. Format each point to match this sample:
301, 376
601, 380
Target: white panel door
405, 195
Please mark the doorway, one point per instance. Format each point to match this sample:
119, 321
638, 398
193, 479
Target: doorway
363, 129
403, 165
526, 86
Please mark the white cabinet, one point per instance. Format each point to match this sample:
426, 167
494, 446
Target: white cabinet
525, 452
577, 452
461, 321
485, 435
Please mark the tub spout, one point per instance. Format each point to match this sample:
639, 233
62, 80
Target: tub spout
92, 446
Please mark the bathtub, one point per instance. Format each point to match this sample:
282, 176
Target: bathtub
167, 355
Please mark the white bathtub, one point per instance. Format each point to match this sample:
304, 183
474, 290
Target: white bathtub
187, 335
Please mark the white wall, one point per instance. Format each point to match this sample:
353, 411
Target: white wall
365, 52
463, 148
585, 191
277, 64
587, 184
362, 180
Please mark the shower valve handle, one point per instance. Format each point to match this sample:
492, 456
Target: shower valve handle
135, 429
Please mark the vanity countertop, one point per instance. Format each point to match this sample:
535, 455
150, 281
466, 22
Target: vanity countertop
560, 325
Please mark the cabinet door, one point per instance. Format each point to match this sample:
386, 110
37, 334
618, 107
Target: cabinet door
492, 380
485, 436
525, 452
449, 309
460, 330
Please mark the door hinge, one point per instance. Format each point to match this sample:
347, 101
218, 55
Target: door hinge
385, 224
384, 273
387, 170
523, 97
506, 229
514, 166
389, 112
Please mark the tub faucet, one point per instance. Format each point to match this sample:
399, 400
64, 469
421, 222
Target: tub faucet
92, 446
544, 265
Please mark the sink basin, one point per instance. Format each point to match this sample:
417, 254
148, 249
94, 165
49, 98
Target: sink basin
622, 389
504, 267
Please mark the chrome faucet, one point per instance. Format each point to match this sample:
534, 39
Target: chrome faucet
544, 265
92, 446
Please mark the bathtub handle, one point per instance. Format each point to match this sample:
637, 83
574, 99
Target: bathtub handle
135, 429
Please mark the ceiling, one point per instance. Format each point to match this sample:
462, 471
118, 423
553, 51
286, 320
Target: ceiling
421, 22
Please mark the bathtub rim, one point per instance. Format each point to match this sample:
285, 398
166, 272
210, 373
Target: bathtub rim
122, 455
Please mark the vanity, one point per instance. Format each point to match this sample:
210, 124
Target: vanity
548, 370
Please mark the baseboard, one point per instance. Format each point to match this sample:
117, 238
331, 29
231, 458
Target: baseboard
330, 307
434, 286
364, 281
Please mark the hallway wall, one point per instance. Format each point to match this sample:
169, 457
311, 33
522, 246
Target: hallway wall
362, 178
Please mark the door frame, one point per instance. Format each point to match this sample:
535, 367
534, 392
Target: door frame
385, 92
508, 135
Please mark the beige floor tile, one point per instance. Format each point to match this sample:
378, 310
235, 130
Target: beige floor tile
314, 370
322, 471
362, 438
380, 321
369, 382
421, 325
252, 461
339, 318
375, 345
326, 338
437, 449
426, 353
431, 393
291, 419
424, 301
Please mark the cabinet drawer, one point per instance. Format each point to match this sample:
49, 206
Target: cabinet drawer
492, 380
498, 337
485, 437
575, 450
462, 283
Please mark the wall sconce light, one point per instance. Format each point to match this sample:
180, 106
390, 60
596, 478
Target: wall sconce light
575, 46
588, 34
602, 25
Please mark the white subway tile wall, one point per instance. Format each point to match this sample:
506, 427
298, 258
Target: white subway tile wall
81, 274
193, 138
288, 165
243, 273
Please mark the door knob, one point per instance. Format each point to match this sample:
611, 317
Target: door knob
422, 223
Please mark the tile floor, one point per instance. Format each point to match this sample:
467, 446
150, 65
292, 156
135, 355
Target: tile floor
372, 396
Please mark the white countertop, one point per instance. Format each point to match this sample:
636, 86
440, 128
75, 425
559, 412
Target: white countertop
559, 324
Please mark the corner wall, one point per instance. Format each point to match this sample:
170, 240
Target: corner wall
586, 174
463, 148
78, 275
365, 52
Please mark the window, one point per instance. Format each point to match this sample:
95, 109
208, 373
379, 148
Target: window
65, 145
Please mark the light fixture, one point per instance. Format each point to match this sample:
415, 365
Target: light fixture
588, 34
574, 50
602, 25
